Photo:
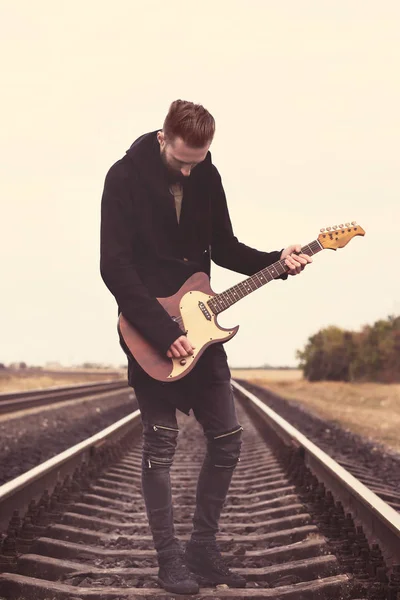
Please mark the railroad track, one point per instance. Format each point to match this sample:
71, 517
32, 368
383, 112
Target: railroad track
14, 401
296, 524
380, 478
377, 485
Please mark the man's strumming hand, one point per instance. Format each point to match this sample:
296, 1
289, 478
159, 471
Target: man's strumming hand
180, 347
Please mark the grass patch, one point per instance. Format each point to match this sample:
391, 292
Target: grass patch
369, 409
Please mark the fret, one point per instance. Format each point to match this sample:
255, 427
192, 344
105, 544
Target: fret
239, 291
224, 300
231, 297
235, 293
259, 283
262, 277
281, 267
245, 287
220, 302
252, 283
267, 274
272, 270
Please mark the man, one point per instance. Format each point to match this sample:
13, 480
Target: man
164, 216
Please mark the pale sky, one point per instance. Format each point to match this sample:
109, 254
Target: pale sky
306, 97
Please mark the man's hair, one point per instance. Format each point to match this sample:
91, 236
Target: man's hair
191, 122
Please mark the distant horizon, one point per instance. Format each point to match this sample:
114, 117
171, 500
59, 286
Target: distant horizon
49, 363
54, 366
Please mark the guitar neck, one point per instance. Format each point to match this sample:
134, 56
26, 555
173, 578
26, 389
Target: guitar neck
221, 302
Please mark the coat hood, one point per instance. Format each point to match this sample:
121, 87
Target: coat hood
145, 155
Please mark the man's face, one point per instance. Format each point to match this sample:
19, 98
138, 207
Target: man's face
179, 158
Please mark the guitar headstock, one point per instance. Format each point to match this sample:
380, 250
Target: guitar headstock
339, 235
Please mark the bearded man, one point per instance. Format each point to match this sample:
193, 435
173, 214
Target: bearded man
164, 218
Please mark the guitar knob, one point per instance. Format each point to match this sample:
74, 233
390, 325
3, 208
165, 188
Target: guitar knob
341, 226
347, 224
335, 227
322, 230
354, 223
328, 228
182, 362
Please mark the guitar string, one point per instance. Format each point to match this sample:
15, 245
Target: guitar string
179, 319
240, 285
313, 247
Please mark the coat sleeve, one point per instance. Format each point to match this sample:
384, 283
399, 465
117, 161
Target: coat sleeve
117, 263
226, 250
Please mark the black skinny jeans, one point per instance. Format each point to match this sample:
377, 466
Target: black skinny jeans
207, 390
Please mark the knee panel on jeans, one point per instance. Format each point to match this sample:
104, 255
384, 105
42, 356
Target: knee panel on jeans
224, 448
159, 444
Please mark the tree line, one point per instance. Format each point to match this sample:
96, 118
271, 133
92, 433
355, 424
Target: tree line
372, 354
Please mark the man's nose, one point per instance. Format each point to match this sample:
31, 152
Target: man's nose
186, 171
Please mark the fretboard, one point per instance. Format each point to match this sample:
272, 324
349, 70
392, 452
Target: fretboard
221, 302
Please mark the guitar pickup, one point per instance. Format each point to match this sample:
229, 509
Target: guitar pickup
204, 310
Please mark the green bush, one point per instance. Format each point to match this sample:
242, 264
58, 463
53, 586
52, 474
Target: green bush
373, 354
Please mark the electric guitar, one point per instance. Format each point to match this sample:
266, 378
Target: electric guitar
195, 307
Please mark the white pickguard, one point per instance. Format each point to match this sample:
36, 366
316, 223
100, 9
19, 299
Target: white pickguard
200, 330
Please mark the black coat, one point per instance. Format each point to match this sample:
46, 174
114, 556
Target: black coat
146, 254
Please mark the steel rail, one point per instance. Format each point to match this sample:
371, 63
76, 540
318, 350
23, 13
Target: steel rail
55, 388
18, 493
379, 520
15, 401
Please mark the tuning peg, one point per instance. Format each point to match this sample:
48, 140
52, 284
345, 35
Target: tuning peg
354, 223
341, 226
347, 224
322, 230
335, 227
328, 228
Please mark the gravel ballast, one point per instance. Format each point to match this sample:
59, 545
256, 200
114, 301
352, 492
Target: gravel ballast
31, 437
341, 444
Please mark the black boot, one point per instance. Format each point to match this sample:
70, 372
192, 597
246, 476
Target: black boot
174, 576
206, 563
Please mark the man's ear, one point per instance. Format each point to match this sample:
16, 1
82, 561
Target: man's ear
161, 138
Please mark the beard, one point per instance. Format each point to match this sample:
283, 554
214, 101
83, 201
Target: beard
173, 175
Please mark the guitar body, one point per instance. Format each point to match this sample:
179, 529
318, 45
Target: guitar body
200, 324
189, 306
